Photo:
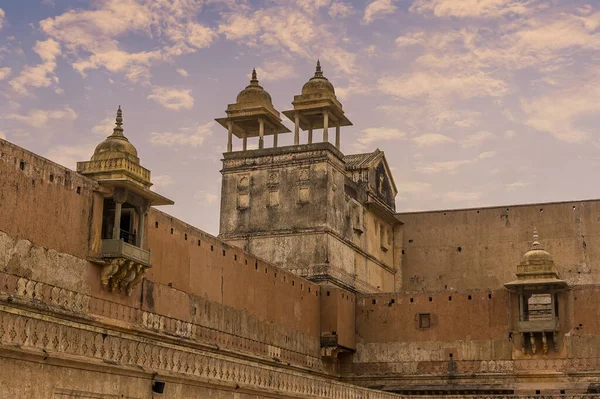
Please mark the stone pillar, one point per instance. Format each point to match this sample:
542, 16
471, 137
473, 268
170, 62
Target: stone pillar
310, 135
117, 225
325, 126
521, 309
275, 140
261, 133
337, 136
141, 226
245, 142
297, 128
119, 196
229, 136
532, 342
552, 304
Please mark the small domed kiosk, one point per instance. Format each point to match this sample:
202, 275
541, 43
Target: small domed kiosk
125, 185
317, 108
252, 115
537, 287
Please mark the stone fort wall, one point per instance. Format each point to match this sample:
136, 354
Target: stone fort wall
480, 248
47, 233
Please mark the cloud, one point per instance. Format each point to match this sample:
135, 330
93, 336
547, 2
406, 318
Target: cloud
105, 126
462, 196
2, 17
377, 9
275, 70
161, 181
183, 72
412, 187
172, 98
560, 112
516, 185
340, 9
91, 36
40, 75
451, 166
376, 134
471, 8
39, 118
430, 139
69, 155
4, 73
456, 83
206, 197
476, 139
189, 136
289, 31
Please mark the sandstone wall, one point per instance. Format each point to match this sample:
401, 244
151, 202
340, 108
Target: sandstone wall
480, 248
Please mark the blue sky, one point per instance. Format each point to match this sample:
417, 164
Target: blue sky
475, 102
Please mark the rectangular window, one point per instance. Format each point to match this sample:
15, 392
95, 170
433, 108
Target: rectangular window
424, 320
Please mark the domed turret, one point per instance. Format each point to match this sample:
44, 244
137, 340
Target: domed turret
116, 145
252, 115
536, 266
317, 108
254, 93
318, 85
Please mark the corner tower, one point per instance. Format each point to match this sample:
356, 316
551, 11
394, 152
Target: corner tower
307, 207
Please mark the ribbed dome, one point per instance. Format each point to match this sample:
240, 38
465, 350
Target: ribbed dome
537, 256
116, 145
318, 84
254, 93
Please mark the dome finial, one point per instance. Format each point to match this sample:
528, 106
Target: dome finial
118, 130
318, 72
254, 79
536, 242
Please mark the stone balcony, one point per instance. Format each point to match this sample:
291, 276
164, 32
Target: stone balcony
123, 265
120, 249
539, 325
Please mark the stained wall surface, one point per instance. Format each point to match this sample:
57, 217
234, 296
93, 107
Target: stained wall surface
480, 248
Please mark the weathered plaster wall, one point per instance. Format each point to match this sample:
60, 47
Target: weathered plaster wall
45, 235
480, 248
46, 203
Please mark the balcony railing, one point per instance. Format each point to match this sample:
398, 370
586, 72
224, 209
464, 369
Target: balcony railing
539, 325
121, 249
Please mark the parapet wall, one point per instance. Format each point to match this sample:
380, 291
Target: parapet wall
47, 213
475, 249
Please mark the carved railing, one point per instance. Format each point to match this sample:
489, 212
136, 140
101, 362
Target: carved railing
474, 396
538, 325
121, 249
74, 302
114, 164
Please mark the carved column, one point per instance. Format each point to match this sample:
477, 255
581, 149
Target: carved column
261, 133
143, 210
532, 342
523, 343
325, 126
544, 343
275, 140
119, 196
229, 136
337, 136
310, 135
297, 128
245, 142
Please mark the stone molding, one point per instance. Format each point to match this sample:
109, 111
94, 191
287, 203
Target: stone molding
22, 291
60, 338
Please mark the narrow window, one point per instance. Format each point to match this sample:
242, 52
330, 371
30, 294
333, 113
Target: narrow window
424, 320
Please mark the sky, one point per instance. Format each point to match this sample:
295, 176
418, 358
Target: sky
475, 102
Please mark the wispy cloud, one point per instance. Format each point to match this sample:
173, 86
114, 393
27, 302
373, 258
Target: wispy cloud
39, 117
451, 166
429, 139
476, 139
378, 8
42, 74
172, 98
188, 136
370, 136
